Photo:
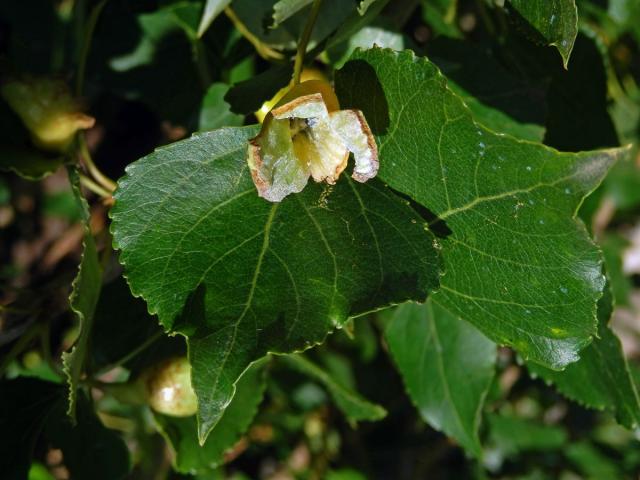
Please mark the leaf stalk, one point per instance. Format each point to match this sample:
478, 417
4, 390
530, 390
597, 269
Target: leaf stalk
86, 44
95, 172
304, 41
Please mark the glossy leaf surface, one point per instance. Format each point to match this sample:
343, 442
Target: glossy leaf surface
240, 276
518, 265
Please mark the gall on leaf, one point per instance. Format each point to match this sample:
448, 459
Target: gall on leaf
306, 134
168, 388
47, 109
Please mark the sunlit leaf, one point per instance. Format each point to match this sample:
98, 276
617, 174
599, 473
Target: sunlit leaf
240, 276
518, 265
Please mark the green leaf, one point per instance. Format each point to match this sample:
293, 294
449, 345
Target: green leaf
601, 378
625, 13
183, 14
284, 9
614, 18
215, 112
351, 403
518, 265
351, 25
368, 36
240, 276
121, 325
62, 205
28, 162
255, 14
5, 191
592, 462
248, 96
622, 184
441, 16
613, 246
212, 9
133, 51
625, 114
447, 367
182, 433
38, 471
364, 5
85, 292
17, 153
507, 104
153, 29
512, 434
33, 410
556, 21
345, 474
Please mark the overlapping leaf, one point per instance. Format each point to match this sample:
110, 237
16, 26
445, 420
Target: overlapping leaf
506, 104
366, 37
350, 402
286, 8
131, 52
291, 17
121, 325
517, 263
441, 16
241, 276
212, 9
215, 112
447, 367
601, 378
17, 154
556, 21
182, 433
511, 434
83, 299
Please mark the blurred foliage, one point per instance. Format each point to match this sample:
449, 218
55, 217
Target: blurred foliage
152, 72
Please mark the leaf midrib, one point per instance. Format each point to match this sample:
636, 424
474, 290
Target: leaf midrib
254, 282
440, 364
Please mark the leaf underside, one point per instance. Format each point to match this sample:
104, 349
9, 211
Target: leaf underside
83, 299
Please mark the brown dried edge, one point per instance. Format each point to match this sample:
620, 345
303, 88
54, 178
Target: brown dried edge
373, 147
255, 165
287, 107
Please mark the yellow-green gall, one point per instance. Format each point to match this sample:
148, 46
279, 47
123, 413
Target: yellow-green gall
47, 109
307, 135
168, 387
